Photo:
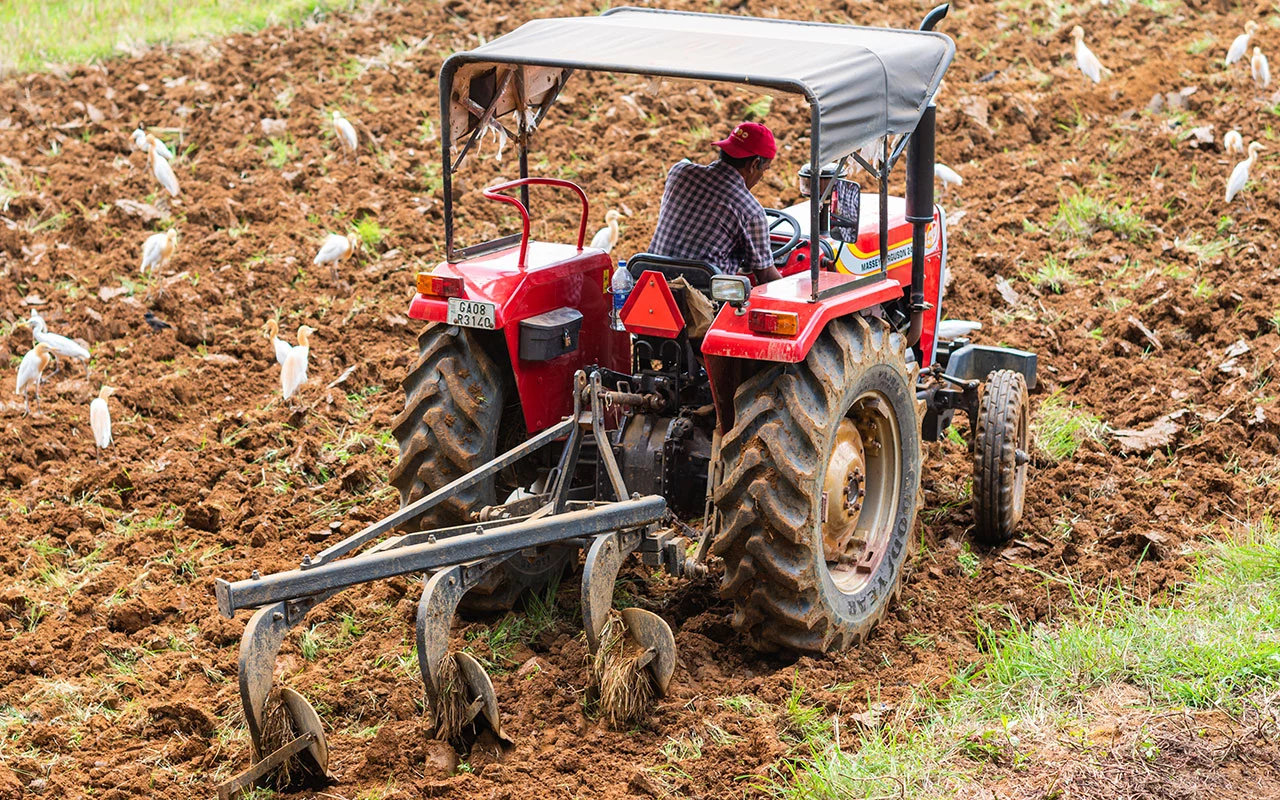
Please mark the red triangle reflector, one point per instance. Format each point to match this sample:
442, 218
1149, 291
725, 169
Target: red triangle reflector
651, 309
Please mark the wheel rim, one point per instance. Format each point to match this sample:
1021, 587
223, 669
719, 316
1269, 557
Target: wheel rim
1020, 470
863, 480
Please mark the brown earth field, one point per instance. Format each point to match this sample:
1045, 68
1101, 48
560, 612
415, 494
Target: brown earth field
1144, 294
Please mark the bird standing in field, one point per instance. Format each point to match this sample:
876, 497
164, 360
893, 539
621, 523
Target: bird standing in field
1085, 59
30, 369
1233, 142
157, 249
163, 172
1240, 175
282, 347
607, 236
1261, 69
149, 143
100, 419
346, 133
947, 175
336, 248
155, 323
59, 346
294, 373
1240, 45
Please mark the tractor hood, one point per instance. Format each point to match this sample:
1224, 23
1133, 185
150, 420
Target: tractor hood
863, 83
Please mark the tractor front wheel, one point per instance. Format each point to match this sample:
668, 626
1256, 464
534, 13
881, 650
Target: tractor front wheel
1000, 457
459, 404
821, 475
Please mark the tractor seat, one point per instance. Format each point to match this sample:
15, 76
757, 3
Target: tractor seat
697, 273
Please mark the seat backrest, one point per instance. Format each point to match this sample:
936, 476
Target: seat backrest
697, 273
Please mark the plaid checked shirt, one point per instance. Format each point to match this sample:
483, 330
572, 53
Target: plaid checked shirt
708, 214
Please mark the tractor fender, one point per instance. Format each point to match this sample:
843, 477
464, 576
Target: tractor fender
730, 335
556, 277
733, 352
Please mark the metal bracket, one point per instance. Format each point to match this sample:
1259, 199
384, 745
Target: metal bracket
599, 572
440, 596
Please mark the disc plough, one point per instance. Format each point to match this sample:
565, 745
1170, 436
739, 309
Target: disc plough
286, 732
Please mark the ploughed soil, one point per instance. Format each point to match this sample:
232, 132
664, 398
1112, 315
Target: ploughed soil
118, 676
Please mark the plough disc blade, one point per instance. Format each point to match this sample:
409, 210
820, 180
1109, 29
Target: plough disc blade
307, 722
651, 632
480, 687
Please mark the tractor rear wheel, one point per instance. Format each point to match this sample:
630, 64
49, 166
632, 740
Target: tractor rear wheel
1000, 457
459, 404
821, 475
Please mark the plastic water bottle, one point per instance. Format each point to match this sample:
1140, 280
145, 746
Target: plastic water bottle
620, 286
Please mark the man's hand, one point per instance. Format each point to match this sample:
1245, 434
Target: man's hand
767, 274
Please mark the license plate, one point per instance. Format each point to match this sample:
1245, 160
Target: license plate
472, 313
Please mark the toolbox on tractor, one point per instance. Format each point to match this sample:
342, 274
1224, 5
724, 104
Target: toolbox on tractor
535, 435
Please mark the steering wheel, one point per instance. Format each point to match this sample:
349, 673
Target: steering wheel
781, 252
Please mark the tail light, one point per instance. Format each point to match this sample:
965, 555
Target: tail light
439, 285
777, 323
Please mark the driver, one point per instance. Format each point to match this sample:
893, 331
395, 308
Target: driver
709, 214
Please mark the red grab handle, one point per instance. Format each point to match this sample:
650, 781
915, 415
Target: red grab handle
493, 193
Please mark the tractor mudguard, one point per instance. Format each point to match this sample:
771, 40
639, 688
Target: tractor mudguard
555, 277
731, 335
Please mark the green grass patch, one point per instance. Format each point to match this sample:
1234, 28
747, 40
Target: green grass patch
370, 232
494, 646
1061, 427
1201, 45
1054, 274
1205, 250
1081, 214
75, 31
281, 151
1213, 643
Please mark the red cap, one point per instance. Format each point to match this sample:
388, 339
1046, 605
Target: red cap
749, 139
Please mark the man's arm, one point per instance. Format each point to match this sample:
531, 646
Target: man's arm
769, 273
759, 258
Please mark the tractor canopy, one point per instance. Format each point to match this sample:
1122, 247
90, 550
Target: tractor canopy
861, 83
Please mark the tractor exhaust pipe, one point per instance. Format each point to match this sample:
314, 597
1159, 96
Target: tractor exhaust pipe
920, 158
920, 211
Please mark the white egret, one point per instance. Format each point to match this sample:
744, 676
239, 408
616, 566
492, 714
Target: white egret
1233, 142
100, 418
163, 172
1240, 45
152, 144
947, 175
30, 369
1261, 69
607, 236
157, 249
1240, 175
1085, 59
346, 133
294, 373
59, 346
282, 347
335, 249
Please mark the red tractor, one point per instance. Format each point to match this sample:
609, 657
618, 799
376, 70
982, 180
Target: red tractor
792, 424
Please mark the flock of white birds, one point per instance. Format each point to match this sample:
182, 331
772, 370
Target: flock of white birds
157, 249
1232, 141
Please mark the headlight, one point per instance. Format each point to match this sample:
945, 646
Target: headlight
732, 289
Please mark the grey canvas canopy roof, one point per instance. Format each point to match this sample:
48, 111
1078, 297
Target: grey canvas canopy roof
862, 83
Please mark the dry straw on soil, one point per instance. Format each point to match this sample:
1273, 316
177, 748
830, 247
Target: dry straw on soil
620, 683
